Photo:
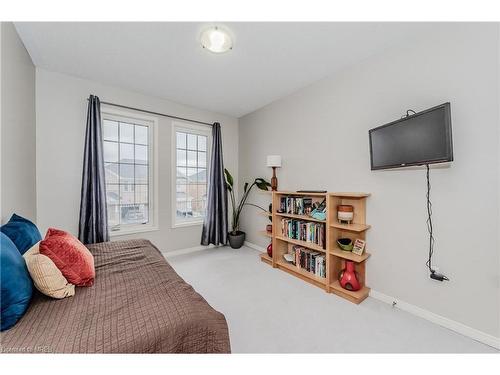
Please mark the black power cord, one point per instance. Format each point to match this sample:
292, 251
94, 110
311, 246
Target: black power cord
434, 275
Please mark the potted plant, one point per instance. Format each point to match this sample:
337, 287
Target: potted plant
237, 237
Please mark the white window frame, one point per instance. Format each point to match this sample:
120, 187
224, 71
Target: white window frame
192, 128
112, 113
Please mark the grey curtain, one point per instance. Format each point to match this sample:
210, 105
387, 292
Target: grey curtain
93, 225
215, 223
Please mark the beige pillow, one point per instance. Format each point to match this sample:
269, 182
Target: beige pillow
46, 276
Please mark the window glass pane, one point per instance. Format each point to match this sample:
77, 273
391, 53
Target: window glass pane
191, 141
110, 130
126, 173
141, 154
202, 159
202, 143
191, 158
112, 194
181, 190
202, 175
134, 214
181, 211
181, 175
181, 157
127, 194
111, 173
126, 153
141, 134
110, 151
113, 216
192, 175
181, 140
126, 132
141, 194
199, 201
141, 174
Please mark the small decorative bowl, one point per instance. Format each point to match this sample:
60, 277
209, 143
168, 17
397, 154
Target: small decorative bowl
345, 244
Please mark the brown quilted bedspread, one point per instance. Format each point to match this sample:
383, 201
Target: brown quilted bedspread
138, 304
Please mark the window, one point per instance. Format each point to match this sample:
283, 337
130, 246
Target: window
190, 168
129, 173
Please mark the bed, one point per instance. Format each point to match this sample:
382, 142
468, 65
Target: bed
138, 304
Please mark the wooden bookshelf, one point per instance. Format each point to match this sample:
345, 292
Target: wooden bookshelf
300, 217
266, 258
335, 257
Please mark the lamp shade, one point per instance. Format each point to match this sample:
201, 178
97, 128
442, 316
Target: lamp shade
274, 161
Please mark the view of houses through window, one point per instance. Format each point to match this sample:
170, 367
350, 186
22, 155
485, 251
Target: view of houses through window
191, 175
127, 168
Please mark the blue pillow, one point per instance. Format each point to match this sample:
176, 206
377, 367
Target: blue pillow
17, 286
22, 232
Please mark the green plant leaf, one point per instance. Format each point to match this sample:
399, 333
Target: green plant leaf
262, 184
229, 178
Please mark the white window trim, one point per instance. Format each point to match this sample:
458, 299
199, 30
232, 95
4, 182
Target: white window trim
112, 113
194, 129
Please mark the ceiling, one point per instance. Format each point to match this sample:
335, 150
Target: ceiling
268, 61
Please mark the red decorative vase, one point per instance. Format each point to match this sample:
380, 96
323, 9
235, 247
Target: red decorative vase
348, 278
270, 250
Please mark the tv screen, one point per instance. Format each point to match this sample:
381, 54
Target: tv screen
419, 139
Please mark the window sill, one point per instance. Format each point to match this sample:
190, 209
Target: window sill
187, 224
133, 230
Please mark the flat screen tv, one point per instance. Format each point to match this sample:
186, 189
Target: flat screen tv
418, 139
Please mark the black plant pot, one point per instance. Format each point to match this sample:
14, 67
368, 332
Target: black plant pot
236, 240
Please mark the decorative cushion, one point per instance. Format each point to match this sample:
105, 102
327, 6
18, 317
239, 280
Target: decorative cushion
73, 259
17, 287
46, 276
22, 232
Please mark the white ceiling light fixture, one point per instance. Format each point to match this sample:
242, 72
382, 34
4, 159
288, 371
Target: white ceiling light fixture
216, 40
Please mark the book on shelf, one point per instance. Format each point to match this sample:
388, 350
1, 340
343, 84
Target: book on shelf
304, 231
296, 205
309, 260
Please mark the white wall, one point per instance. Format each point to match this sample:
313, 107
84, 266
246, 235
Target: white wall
17, 127
61, 117
322, 134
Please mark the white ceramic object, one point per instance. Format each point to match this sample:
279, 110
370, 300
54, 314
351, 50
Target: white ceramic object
345, 216
288, 257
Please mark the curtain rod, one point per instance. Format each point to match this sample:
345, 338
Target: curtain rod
156, 113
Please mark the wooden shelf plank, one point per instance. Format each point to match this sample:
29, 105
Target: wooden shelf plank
300, 217
349, 195
265, 233
309, 245
266, 258
349, 255
355, 297
295, 193
351, 227
299, 271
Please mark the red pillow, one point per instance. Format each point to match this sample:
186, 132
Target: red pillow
72, 258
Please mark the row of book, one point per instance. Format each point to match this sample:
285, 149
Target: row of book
309, 260
304, 231
295, 205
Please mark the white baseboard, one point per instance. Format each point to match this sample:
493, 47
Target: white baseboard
255, 247
439, 320
186, 251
